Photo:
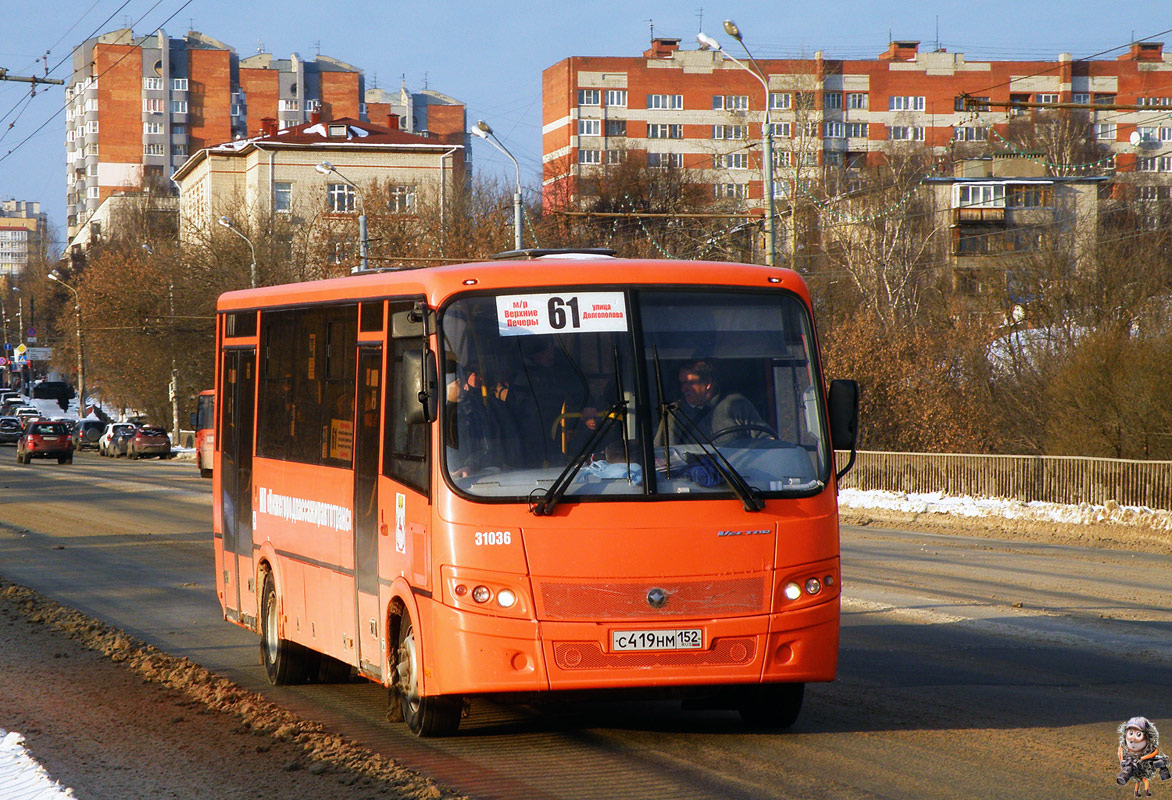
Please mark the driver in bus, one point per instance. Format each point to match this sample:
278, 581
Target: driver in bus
714, 414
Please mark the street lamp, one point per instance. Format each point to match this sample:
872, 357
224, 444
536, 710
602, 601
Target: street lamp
55, 276
20, 322
484, 131
326, 168
708, 43
227, 223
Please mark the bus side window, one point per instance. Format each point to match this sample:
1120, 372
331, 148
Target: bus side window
406, 451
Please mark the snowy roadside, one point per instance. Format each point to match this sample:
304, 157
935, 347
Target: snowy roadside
22, 778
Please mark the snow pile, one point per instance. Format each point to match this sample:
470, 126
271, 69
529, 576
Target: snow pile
21, 778
940, 503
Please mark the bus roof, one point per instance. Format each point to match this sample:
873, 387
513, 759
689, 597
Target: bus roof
436, 284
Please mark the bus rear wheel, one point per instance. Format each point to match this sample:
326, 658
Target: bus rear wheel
285, 662
771, 706
425, 716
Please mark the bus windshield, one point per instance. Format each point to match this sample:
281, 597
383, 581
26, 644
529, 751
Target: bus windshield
624, 393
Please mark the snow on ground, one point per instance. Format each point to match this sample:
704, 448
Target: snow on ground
940, 503
22, 778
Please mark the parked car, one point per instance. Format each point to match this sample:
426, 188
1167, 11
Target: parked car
45, 439
149, 440
9, 394
86, 433
120, 441
10, 428
8, 407
27, 412
105, 442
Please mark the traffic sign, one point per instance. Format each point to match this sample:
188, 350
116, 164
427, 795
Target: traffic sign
8, 345
3, 361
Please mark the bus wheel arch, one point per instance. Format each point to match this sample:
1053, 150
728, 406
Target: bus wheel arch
424, 715
285, 662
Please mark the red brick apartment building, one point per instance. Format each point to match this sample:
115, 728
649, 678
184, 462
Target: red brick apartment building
693, 109
138, 106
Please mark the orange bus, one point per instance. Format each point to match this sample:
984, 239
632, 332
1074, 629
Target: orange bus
203, 420
547, 473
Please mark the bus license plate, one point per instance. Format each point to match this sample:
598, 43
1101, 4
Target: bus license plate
679, 639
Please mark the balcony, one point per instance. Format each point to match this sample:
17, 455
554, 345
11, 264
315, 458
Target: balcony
978, 215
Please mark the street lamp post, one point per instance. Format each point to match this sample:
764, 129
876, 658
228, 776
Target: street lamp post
708, 43
227, 223
326, 168
20, 322
54, 276
485, 132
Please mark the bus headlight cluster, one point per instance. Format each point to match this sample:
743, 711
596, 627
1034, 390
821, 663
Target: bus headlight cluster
483, 595
813, 586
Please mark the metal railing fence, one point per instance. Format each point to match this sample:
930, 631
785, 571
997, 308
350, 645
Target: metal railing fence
1053, 479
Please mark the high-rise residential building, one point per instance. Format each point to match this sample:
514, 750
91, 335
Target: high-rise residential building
694, 109
139, 106
22, 235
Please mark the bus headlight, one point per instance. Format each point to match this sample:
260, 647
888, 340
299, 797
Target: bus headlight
481, 594
792, 591
813, 586
505, 598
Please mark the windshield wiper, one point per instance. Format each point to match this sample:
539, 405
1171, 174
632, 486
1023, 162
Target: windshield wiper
544, 505
749, 496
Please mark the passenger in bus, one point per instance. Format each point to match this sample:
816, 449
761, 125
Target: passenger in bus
550, 401
716, 415
480, 429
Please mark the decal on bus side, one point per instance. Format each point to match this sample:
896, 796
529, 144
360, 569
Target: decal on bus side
493, 538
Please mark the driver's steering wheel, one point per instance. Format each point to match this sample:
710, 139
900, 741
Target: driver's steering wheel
745, 428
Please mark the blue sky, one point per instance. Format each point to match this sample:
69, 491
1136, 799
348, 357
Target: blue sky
490, 55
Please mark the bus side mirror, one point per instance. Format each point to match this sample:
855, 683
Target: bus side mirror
844, 419
193, 419
420, 398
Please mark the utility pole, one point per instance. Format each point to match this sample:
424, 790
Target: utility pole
33, 79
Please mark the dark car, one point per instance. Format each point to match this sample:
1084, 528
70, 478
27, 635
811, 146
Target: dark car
44, 438
10, 428
149, 440
86, 433
53, 390
120, 441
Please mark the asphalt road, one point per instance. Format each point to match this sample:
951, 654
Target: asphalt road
969, 667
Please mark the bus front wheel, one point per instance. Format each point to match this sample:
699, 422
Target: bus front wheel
285, 662
771, 706
425, 716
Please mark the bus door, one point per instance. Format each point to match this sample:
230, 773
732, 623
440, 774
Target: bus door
366, 471
239, 398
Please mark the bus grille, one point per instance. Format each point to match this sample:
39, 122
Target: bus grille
589, 655
593, 601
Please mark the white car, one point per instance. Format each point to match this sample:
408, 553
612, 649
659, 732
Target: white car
104, 445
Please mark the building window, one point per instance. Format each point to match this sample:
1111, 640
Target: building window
313, 105
589, 97
589, 156
150, 128
1104, 99
178, 130
905, 103
1047, 98
970, 134
179, 150
835, 130
1105, 130
179, 84
290, 105
152, 105
832, 101
663, 131
1152, 194
731, 161
91, 126
400, 199
1149, 164
780, 101
665, 160
980, 195
155, 149
282, 197
178, 106
729, 131
1082, 98
340, 197
615, 156
1029, 196
237, 111
730, 190
905, 133
616, 98
668, 101
91, 148
589, 127
856, 130
782, 129
730, 102
91, 193
152, 83
616, 127
856, 100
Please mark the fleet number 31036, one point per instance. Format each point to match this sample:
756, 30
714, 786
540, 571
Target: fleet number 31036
493, 537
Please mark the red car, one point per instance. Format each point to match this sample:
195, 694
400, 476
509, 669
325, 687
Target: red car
149, 440
44, 438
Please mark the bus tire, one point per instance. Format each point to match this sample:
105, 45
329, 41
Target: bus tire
771, 706
436, 715
285, 662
